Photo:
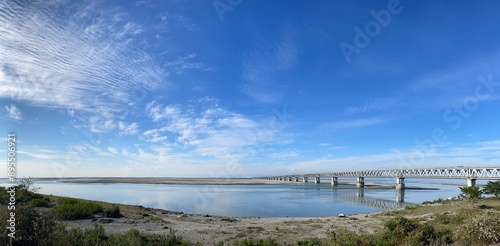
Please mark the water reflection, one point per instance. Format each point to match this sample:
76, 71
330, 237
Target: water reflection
383, 204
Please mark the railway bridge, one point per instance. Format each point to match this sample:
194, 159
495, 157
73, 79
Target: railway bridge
471, 174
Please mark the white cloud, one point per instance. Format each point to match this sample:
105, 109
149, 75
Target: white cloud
113, 150
13, 112
85, 61
158, 112
183, 63
206, 129
130, 129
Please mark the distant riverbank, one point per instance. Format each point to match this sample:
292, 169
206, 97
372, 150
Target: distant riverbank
207, 181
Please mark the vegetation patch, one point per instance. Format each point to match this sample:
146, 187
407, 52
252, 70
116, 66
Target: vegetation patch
74, 209
113, 212
39, 202
229, 219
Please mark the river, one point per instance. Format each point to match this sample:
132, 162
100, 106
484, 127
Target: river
265, 200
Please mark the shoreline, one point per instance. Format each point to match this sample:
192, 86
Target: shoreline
207, 229
212, 181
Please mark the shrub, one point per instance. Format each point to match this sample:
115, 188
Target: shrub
443, 218
48, 230
309, 242
113, 212
95, 236
25, 224
39, 202
346, 237
68, 200
492, 188
480, 229
74, 209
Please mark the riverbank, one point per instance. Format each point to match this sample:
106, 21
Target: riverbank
210, 181
207, 229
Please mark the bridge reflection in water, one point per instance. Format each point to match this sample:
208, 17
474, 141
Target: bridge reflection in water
359, 197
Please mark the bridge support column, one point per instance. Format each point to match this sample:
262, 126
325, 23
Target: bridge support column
317, 180
304, 179
400, 183
335, 181
361, 182
471, 182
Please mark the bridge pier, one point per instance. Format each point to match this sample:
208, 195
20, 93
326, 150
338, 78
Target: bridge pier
304, 179
471, 182
335, 181
360, 182
400, 183
317, 180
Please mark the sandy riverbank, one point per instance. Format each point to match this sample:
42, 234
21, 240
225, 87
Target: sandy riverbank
207, 229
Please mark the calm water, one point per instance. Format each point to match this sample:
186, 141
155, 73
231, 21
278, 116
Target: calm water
280, 200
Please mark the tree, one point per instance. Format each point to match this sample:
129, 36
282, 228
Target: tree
28, 184
471, 193
492, 188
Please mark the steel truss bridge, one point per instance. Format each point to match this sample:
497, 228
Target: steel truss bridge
461, 172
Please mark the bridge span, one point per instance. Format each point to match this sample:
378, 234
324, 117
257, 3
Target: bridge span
471, 174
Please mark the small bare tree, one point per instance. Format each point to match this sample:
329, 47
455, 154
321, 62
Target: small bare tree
28, 184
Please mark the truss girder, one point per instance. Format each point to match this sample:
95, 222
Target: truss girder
487, 173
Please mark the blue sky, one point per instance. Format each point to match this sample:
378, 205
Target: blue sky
248, 88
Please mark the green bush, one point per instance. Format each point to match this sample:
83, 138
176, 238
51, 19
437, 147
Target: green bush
309, 242
346, 238
48, 230
23, 196
68, 200
443, 219
74, 209
39, 202
113, 212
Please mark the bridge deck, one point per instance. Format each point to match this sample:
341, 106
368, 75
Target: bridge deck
486, 173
